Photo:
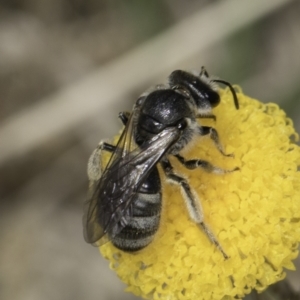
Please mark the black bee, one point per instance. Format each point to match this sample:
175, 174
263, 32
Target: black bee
125, 199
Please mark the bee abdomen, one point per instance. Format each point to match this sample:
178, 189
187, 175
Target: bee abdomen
142, 226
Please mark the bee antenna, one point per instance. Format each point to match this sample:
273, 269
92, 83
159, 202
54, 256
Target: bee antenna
235, 98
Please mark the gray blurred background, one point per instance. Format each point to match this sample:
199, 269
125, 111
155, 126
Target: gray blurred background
67, 67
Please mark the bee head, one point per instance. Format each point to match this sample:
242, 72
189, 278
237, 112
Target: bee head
199, 88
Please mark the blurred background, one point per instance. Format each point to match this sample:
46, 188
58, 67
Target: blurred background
67, 67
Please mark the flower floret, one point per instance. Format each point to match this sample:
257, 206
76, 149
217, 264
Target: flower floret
254, 213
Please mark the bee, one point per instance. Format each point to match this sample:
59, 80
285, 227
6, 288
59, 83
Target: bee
125, 200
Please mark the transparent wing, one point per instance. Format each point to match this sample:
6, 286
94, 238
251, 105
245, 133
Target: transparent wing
109, 208
93, 229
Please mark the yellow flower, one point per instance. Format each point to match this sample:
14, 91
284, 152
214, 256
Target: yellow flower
254, 213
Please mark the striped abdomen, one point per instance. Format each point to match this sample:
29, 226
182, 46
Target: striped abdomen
146, 210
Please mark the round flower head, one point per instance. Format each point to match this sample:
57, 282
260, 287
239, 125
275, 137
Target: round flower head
254, 212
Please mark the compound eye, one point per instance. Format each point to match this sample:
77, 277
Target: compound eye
213, 98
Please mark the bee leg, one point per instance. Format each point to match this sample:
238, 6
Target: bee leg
124, 116
208, 116
106, 147
94, 167
213, 134
199, 163
203, 72
192, 203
